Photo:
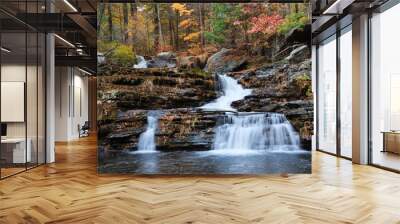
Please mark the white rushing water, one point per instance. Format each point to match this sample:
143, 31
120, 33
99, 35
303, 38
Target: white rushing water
142, 63
255, 131
147, 140
231, 91
244, 131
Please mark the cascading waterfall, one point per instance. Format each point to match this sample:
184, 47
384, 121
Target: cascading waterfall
255, 131
237, 132
248, 130
142, 63
231, 91
147, 140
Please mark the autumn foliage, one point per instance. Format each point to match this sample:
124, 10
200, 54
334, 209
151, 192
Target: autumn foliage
265, 24
194, 28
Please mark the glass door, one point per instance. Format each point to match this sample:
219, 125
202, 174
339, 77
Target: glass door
385, 89
327, 95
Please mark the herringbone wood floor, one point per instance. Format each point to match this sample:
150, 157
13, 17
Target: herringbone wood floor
70, 191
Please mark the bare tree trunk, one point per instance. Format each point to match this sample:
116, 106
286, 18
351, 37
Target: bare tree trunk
177, 31
100, 15
126, 22
134, 19
201, 22
148, 38
121, 25
160, 35
171, 28
156, 28
110, 23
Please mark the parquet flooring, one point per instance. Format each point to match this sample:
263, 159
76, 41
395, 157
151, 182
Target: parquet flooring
70, 191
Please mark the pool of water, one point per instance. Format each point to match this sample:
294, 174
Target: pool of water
210, 162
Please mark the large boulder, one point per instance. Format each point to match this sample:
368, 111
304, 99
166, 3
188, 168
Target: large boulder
166, 55
226, 60
190, 62
162, 60
298, 35
299, 54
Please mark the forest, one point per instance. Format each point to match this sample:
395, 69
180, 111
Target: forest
130, 29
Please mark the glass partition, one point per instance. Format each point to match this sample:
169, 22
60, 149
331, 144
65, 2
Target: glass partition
385, 89
22, 77
327, 95
14, 145
346, 92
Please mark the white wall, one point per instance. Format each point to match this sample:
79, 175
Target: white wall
314, 89
33, 126
71, 102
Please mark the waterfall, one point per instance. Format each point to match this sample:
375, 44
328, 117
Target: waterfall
147, 140
142, 63
248, 130
255, 131
231, 91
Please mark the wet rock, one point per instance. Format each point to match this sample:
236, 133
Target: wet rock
162, 60
282, 87
298, 54
128, 81
178, 129
226, 60
169, 55
154, 88
297, 35
101, 59
190, 62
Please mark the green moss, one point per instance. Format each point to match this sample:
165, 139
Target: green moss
118, 53
124, 55
305, 82
304, 77
309, 92
200, 72
127, 81
293, 21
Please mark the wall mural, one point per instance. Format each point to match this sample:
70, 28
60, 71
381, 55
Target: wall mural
213, 88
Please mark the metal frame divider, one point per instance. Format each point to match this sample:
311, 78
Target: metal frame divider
44, 79
338, 153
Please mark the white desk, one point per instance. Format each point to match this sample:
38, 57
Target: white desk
19, 154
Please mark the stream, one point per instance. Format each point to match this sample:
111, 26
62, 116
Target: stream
243, 143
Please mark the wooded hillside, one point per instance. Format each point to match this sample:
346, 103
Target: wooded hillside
147, 29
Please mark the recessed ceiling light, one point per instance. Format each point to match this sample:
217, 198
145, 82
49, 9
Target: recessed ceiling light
337, 7
86, 72
70, 5
5, 50
64, 40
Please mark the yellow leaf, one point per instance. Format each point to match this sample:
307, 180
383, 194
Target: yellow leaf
181, 9
184, 23
192, 36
